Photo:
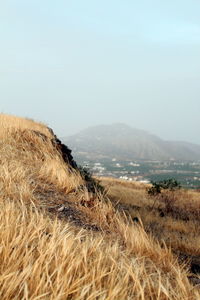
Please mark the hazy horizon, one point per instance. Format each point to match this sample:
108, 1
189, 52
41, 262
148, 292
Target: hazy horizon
117, 123
76, 64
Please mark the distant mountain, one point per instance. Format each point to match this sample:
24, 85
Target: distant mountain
124, 142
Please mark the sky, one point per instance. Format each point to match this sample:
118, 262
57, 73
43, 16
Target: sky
75, 64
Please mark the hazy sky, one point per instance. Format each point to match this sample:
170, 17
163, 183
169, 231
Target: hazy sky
72, 64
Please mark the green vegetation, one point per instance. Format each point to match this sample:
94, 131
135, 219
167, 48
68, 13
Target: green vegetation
168, 184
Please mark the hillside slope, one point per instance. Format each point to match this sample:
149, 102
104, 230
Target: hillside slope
123, 142
47, 252
171, 216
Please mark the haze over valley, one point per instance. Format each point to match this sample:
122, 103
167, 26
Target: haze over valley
124, 142
121, 151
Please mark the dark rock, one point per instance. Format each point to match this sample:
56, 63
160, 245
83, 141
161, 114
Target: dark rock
136, 220
64, 150
194, 280
195, 268
162, 214
192, 261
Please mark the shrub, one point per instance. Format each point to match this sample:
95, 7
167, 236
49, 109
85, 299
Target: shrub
164, 191
93, 185
168, 184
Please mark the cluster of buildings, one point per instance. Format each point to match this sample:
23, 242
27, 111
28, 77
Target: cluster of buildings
115, 169
187, 173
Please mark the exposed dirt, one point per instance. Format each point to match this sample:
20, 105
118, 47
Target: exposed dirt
64, 206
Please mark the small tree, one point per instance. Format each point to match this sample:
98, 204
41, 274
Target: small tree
164, 190
168, 184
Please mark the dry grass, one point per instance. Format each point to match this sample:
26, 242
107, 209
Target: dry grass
27, 158
173, 217
42, 257
45, 259
12, 122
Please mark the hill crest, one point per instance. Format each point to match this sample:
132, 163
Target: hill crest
124, 142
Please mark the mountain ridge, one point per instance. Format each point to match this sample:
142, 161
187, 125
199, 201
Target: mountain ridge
124, 142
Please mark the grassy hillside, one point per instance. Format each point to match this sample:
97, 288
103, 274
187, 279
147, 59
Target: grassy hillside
172, 217
58, 241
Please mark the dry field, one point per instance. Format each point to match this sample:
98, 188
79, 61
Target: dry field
172, 218
57, 241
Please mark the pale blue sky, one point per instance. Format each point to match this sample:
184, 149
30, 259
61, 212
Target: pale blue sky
72, 64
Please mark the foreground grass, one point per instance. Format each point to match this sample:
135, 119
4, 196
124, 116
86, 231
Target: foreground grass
43, 255
45, 259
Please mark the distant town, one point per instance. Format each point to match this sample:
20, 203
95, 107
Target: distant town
187, 173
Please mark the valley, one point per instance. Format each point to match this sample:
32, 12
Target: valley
131, 154
187, 173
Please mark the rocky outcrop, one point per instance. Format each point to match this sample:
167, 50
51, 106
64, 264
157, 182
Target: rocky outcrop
91, 184
64, 150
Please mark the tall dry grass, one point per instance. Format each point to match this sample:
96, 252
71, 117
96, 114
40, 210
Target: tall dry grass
45, 259
173, 216
13, 122
42, 257
27, 158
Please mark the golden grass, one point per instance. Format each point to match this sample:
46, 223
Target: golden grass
12, 122
42, 257
179, 227
45, 259
26, 157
